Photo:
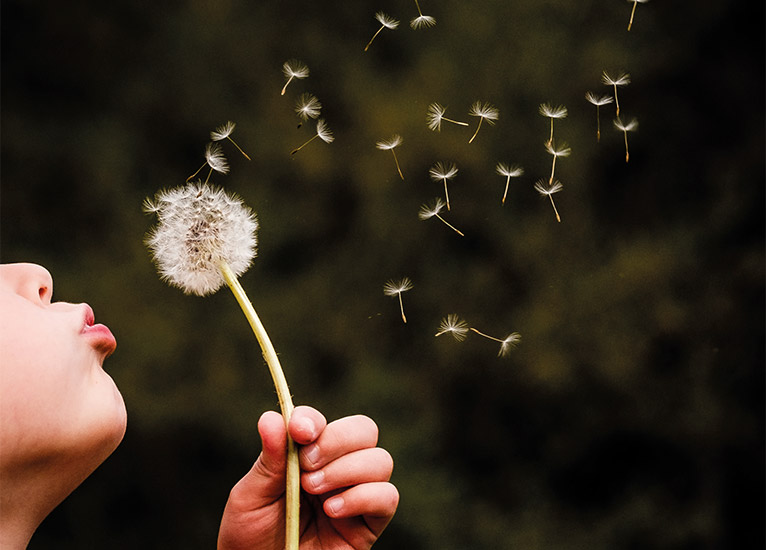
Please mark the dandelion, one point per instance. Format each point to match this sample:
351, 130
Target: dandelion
293, 69
553, 113
549, 190
563, 151
633, 11
436, 115
622, 80
205, 238
308, 106
427, 212
455, 326
483, 111
625, 128
422, 20
214, 159
224, 132
509, 172
443, 172
397, 288
598, 101
323, 133
459, 329
386, 22
390, 145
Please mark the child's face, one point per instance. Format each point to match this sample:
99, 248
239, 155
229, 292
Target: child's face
55, 399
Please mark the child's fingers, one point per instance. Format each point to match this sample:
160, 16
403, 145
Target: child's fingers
363, 466
339, 438
375, 502
306, 424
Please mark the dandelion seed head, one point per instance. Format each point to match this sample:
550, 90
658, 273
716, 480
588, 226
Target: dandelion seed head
443, 171
394, 288
198, 227
386, 21
223, 131
427, 212
512, 171
215, 159
454, 325
308, 106
508, 344
385, 145
558, 111
622, 80
598, 100
435, 116
544, 188
562, 151
485, 111
324, 132
422, 21
295, 69
629, 127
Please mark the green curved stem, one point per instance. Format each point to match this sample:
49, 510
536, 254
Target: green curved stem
292, 493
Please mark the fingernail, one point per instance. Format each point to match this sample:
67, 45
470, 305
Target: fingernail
311, 453
306, 425
316, 479
334, 505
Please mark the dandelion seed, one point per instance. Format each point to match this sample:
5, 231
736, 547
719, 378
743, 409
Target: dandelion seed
563, 151
549, 190
509, 172
205, 238
427, 212
386, 22
214, 159
308, 106
598, 101
293, 69
435, 117
506, 344
443, 172
323, 133
633, 11
622, 80
224, 132
553, 113
422, 20
390, 145
455, 326
483, 111
396, 288
625, 128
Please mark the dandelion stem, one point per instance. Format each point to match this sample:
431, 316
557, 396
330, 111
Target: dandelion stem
239, 148
486, 335
632, 13
401, 307
446, 193
396, 160
455, 229
478, 127
553, 168
550, 139
558, 218
284, 89
627, 154
598, 125
304, 145
373, 37
616, 101
195, 173
292, 494
455, 121
507, 183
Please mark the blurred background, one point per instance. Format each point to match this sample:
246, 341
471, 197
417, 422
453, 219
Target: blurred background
632, 413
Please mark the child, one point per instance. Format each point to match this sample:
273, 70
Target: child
61, 416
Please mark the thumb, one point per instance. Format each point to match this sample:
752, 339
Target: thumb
265, 482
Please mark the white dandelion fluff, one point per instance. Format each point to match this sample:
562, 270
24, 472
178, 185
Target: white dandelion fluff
293, 69
390, 145
455, 326
549, 190
435, 116
508, 172
484, 111
386, 22
224, 132
427, 212
308, 106
396, 288
598, 101
422, 21
552, 113
622, 80
323, 132
215, 159
625, 128
442, 171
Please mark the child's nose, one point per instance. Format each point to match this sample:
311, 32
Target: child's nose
31, 281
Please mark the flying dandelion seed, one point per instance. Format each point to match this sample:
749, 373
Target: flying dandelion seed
214, 159
633, 11
426, 212
308, 106
622, 80
509, 172
562, 151
459, 329
552, 113
396, 289
422, 20
323, 133
484, 111
224, 132
293, 69
443, 172
507, 344
598, 101
435, 116
625, 128
386, 22
549, 189
390, 145
205, 238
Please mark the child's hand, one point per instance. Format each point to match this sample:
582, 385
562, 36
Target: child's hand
349, 500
